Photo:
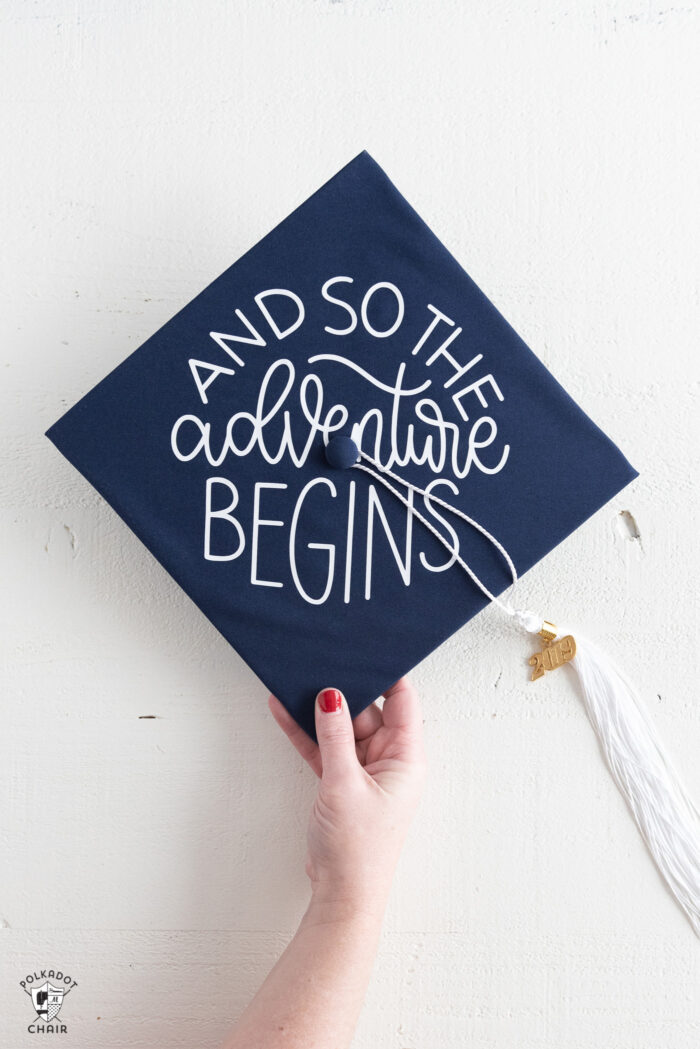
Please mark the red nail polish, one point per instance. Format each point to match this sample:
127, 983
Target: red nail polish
330, 700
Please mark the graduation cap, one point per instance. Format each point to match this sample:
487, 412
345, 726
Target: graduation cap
343, 452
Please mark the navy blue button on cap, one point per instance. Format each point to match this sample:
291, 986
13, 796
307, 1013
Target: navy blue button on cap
342, 452
226, 443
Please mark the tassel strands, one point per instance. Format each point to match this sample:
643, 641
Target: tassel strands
664, 813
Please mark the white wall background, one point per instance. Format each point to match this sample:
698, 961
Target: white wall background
554, 148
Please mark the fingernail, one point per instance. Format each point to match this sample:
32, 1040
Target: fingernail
330, 700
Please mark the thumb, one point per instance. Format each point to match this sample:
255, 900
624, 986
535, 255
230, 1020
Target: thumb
336, 738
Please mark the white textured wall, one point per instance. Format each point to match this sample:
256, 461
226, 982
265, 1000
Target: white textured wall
554, 147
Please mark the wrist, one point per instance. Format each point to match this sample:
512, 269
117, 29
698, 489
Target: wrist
352, 906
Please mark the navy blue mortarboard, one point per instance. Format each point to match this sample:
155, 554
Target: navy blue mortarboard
342, 452
226, 443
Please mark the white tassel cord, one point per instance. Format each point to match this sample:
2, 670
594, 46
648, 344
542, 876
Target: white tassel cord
666, 816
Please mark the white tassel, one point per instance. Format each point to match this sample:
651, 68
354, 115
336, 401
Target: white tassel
666, 816
667, 819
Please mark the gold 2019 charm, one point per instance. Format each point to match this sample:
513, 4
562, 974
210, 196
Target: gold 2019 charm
553, 655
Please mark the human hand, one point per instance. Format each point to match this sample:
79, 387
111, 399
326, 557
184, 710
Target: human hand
371, 774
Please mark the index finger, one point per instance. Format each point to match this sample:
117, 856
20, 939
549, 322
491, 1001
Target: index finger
402, 709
